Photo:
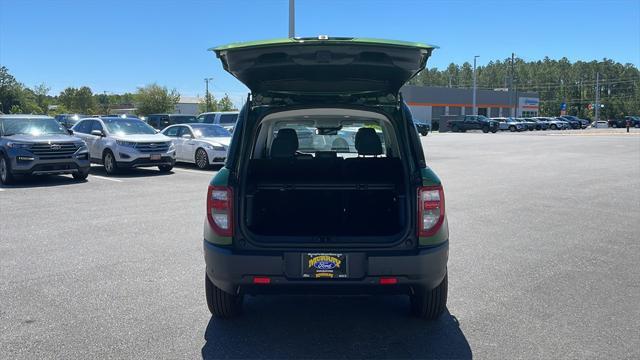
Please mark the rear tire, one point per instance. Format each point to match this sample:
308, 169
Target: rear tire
81, 175
554, 127
485, 129
512, 128
430, 304
493, 131
454, 128
222, 304
6, 177
202, 159
109, 162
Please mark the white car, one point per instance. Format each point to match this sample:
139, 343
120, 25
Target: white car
201, 144
120, 143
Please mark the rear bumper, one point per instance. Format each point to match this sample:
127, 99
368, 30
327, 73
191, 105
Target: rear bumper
233, 272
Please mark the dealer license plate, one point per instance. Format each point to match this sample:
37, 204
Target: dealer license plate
324, 266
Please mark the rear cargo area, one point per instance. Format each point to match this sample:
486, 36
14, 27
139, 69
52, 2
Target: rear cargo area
351, 197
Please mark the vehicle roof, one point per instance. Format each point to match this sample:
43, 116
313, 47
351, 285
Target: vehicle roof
170, 114
317, 40
24, 116
220, 112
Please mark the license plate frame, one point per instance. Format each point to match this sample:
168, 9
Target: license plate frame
324, 265
155, 157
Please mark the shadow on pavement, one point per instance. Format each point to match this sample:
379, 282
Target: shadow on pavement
333, 327
25, 182
129, 173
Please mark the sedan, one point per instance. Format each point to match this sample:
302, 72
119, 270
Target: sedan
200, 144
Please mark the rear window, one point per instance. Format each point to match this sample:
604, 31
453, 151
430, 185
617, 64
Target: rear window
328, 134
228, 118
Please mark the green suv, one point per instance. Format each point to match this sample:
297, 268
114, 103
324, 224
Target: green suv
325, 188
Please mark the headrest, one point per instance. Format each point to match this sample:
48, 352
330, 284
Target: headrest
340, 144
368, 142
285, 144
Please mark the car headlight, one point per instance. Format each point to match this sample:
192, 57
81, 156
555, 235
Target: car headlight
126, 143
216, 147
17, 145
172, 147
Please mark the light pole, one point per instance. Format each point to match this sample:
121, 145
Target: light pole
292, 19
207, 99
475, 88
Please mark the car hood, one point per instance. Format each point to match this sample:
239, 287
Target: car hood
43, 138
333, 66
143, 137
225, 140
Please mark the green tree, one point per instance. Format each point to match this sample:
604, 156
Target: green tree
154, 98
9, 90
84, 102
225, 104
42, 96
213, 104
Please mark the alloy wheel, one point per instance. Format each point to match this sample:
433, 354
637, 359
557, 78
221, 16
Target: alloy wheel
3, 169
201, 159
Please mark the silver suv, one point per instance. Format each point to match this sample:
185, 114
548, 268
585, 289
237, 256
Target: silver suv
226, 119
125, 143
39, 145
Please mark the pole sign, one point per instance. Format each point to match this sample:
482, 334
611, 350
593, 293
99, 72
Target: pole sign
563, 109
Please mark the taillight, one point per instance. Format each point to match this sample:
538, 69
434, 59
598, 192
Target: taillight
220, 210
430, 209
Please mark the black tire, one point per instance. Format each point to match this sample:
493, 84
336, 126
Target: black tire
424, 133
485, 129
430, 304
493, 131
554, 127
512, 128
109, 162
165, 168
222, 304
454, 128
6, 177
201, 159
81, 175
614, 125
530, 129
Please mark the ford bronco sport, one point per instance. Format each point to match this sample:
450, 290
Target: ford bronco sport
353, 208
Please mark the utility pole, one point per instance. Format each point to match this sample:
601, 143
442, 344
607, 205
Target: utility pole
597, 112
207, 99
511, 86
292, 19
475, 87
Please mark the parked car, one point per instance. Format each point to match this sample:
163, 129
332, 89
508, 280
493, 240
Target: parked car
226, 119
284, 219
558, 123
201, 144
583, 123
39, 145
529, 125
540, 124
161, 121
508, 123
600, 124
422, 128
68, 120
473, 122
634, 121
119, 143
573, 123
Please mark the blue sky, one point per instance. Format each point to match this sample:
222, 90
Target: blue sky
116, 45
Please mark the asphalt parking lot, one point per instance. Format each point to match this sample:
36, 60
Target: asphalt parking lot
543, 264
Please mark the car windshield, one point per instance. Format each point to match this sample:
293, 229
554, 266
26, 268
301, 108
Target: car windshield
33, 127
210, 131
120, 126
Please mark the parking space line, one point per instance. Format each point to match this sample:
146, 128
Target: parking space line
193, 171
106, 178
1, 189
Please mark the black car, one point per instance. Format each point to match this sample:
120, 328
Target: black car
422, 128
463, 123
634, 121
68, 120
161, 121
575, 122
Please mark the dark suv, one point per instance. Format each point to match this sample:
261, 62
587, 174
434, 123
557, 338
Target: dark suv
39, 145
355, 208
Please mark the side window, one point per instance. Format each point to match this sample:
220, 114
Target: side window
172, 132
184, 130
200, 119
228, 118
209, 118
84, 127
96, 126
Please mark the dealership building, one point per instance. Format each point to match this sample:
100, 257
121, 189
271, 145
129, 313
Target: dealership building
429, 103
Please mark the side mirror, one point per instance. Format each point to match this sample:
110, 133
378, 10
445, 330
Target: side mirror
70, 131
187, 136
157, 131
97, 133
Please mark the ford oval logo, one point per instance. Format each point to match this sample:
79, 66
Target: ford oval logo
324, 265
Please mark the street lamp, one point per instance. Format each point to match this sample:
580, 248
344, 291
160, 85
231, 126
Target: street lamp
207, 100
475, 89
